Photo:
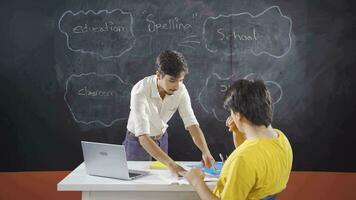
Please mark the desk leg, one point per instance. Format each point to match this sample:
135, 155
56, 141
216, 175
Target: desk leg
85, 195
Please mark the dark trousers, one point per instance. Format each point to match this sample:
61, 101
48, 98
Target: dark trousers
134, 150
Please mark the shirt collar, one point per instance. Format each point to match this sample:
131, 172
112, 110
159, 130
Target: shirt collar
154, 89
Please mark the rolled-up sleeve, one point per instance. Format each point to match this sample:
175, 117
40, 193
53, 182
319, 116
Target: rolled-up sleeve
185, 110
138, 108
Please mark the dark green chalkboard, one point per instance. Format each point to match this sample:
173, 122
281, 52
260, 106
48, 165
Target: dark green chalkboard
67, 68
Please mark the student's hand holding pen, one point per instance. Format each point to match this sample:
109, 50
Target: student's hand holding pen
194, 176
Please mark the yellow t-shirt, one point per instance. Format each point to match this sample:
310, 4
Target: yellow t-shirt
255, 169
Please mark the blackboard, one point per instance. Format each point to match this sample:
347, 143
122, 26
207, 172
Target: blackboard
67, 69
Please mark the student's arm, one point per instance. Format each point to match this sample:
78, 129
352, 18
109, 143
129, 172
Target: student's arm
204, 192
200, 142
155, 151
238, 136
196, 179
239, 178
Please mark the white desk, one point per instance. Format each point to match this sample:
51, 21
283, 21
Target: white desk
152, 186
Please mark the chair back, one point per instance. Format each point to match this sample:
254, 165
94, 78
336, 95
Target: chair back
270, 197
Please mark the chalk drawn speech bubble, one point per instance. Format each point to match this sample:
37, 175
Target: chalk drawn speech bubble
95, 98
105, 33
268, 32
211, 97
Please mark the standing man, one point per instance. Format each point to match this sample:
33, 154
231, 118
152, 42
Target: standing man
259, 167
154, 100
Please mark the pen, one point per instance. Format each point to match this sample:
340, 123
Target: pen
215, 168
221, 157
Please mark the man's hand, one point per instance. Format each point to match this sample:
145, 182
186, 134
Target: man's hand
199, 140
194, 176
155, 151
208, 160
176, 169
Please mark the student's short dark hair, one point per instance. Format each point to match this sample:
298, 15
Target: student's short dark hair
171, 63
252, 99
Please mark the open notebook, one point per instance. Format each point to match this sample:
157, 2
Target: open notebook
211, 175
183, 181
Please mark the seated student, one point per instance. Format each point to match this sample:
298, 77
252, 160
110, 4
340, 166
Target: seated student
261, 163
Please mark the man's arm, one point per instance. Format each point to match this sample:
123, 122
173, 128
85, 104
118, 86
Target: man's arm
155, 151
192, 125
198, 138
200, 142
138, 106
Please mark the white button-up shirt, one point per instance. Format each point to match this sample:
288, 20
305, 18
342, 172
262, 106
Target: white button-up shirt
150, 114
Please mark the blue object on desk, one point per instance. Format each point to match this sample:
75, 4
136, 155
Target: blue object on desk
210, 170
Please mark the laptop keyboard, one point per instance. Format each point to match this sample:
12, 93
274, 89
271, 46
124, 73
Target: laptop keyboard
131, 174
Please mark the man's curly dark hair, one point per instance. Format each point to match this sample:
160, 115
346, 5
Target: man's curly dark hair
171, 63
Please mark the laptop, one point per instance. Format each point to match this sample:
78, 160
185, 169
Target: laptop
108, 160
